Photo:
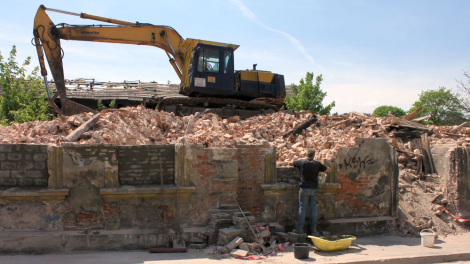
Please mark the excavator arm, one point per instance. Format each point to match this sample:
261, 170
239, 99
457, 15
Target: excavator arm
47, 37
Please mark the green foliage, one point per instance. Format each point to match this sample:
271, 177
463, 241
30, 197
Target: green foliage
309, 96
102, 106
444, 107
23, 98
112, 104
385, 109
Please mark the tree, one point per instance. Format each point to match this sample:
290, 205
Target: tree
385, 109
23, 98
444, 107
464, 87
308, 96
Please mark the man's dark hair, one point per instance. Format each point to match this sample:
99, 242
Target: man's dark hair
311, 153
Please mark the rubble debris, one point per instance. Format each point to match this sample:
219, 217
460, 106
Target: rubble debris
142, 126
234, 243
239, 253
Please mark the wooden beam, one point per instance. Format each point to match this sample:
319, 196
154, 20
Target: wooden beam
82, 129
419, 119
411, 116
457, 129
339, 123
301, 127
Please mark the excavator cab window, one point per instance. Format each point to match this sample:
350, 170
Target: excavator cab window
208, 60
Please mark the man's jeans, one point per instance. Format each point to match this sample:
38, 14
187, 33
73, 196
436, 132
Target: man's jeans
310, 196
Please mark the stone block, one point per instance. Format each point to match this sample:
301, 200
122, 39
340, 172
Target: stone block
3, 156
293, 237
37, 174
18, 174
239, 253
239, 214
40, 182
40, 157
5, 148
251, 219
219, 215
6, 165
276, 227
283, 237
230, 231
25, 182
226, 235
243, 225
39, 165
7, 182
6, 174
234, 243
303, 237
14, 156
220, 223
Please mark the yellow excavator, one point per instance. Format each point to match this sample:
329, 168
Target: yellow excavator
205, 68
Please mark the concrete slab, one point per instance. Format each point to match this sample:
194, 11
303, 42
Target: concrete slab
375, 249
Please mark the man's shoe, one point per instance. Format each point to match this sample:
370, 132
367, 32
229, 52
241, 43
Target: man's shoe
315, 233
297, 231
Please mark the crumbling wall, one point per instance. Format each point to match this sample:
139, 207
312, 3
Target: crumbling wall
93, 204
368, 175
23, 165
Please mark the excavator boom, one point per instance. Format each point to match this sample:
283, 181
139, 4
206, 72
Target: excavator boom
205, 68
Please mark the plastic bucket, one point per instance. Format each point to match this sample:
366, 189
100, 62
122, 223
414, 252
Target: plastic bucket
427, 237
301, 250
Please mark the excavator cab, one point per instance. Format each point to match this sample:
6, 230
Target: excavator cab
211, 71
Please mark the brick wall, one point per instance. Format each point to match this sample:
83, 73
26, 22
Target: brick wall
23, 165
140, 165
251, 174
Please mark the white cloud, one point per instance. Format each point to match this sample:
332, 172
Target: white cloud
250, 15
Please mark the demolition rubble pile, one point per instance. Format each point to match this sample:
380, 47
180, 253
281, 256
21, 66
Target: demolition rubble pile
141, 126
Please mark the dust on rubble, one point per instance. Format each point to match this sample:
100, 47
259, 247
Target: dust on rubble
328, 135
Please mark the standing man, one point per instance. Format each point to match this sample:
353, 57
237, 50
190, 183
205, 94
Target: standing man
309, 170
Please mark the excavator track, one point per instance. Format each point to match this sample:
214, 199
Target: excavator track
214, 101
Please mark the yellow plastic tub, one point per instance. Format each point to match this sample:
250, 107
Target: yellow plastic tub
332, 243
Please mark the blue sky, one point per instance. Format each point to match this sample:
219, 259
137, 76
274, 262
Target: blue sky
370, 53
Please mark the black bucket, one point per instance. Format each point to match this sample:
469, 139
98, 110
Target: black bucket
301, 250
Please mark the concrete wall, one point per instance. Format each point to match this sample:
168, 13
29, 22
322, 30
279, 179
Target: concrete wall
23, 165
452, 165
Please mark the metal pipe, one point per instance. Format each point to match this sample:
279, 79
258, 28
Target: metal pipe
47, 87
61, 11
88, 16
